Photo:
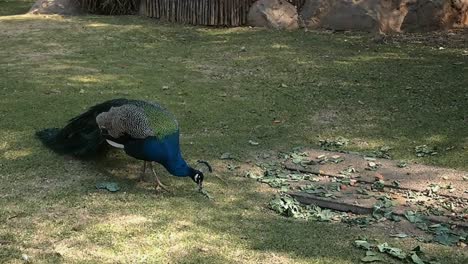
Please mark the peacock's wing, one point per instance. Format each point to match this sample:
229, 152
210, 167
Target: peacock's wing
81, 136
137, 120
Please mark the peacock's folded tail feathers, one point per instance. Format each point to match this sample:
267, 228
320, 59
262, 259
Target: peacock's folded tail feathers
81, 137
120, 119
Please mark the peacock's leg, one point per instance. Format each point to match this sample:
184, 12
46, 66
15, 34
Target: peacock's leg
158, 182
143, 171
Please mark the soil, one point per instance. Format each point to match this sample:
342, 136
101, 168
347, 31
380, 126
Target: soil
440, 195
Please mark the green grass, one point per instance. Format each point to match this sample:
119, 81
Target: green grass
15, 7
318, 85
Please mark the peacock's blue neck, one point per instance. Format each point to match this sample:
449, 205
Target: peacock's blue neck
166, 151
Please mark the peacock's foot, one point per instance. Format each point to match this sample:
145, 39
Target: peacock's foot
141, 177
162, 186
159, 184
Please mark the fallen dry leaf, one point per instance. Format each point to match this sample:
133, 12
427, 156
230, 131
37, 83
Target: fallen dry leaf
379, 176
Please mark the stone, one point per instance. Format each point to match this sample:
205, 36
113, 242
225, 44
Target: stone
384, 16
275, 14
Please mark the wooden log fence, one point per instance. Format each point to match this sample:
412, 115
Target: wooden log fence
229, 13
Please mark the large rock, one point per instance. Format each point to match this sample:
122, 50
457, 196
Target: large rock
385, 16
429, 15
436, 14
462, 7
339, 15
364, 15
391, 14
61, 7
277, 14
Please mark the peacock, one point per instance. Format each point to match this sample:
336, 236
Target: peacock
144, 130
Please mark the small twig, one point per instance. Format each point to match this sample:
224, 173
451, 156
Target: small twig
13, 216
221, 179
291, 168
362, 210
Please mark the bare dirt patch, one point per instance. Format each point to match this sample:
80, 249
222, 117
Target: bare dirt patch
411, 198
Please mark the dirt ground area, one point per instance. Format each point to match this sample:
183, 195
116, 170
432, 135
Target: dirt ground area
371, 190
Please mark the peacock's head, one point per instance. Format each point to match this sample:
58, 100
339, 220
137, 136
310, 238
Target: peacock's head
198, 177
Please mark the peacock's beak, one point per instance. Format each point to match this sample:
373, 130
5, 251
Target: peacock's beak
200, 185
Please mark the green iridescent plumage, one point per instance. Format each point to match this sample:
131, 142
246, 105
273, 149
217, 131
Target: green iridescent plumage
161, 121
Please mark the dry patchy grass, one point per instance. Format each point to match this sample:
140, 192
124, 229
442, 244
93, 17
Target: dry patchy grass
315, 84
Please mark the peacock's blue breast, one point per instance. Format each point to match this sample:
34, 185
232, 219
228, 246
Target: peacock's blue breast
154, 149
165, 151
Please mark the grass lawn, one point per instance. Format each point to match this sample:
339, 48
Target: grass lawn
15, 7
317, 85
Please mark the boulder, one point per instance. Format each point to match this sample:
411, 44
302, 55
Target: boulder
276, 14
60, 7
391, 14
462, 7
436, 14
385, 16
364, 15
